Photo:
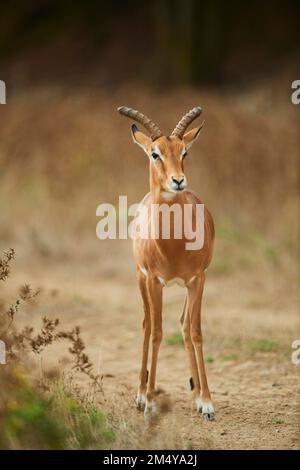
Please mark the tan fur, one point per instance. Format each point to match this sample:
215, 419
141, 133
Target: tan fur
160, 260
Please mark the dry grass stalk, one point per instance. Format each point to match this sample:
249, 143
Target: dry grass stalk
5, 264
27, 341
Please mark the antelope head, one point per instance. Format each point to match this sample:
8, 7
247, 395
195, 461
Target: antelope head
166, 153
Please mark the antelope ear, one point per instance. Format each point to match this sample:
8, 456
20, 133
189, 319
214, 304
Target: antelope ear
190, 137
141, 139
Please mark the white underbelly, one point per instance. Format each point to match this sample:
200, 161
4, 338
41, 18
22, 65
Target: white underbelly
176, 280
170, 282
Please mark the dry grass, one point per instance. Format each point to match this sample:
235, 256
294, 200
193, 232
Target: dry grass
51, 413
64, 152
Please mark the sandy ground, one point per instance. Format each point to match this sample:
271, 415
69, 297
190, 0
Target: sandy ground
55, 173
248, 330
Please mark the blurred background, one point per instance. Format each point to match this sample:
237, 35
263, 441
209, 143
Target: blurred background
67, 66
64, 149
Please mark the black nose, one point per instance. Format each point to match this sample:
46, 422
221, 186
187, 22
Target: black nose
178, 182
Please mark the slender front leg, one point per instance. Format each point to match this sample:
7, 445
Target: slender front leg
195, 291
141, 395
155, 300
186, 333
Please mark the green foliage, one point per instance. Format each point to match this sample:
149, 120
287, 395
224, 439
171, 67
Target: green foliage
27, 421
54, 416
278, 421
86, 423
57, 419
175, 340
229, 357
241, 247
209, 359
264, 345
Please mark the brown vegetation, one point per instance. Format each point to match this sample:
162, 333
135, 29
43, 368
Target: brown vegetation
62, 152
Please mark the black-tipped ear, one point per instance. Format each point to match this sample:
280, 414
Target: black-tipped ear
139, 138
134, 129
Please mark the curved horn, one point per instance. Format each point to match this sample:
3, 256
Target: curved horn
151, 127
185, 121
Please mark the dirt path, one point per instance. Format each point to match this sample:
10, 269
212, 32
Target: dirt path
255, 387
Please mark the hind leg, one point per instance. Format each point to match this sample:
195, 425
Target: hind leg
186, 333
195, 292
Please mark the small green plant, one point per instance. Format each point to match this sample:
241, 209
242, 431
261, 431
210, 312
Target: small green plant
278, 421
209, 359
174, 340
229, 357
87, 424
264, 345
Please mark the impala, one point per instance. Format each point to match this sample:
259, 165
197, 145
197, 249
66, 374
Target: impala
162, 261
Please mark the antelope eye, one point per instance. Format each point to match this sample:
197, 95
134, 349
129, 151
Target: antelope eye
155, 156
184, 155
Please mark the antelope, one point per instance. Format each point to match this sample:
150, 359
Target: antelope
160, 261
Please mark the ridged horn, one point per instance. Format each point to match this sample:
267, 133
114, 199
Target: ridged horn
151, 127
185, 121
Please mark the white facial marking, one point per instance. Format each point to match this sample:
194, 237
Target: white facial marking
183, 153
156, 150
